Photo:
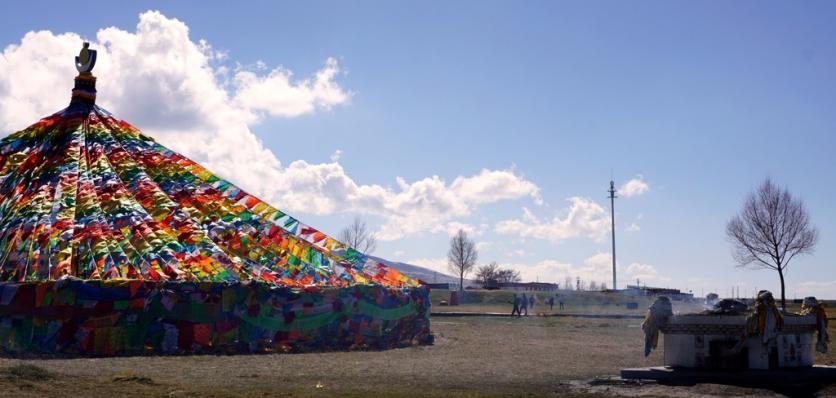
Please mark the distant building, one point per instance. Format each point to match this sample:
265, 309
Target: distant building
528, 286
443, 286
673, 294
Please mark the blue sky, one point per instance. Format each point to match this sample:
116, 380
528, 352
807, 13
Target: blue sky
698, 100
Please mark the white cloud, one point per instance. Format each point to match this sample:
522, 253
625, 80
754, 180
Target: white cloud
29, 75
453, 227
583, 218
634, 187
181, 92
494, 185
430, 203
550, 271
277, 95
398, 253
599, 261
645, 273
335, 157
596, 268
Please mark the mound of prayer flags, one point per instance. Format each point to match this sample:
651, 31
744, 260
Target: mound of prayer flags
112, 244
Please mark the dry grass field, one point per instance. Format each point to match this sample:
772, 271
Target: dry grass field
472, 356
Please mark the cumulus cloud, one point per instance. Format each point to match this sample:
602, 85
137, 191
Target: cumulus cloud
453, 227
278, 95
583, 218
634, 187
429, 203
645, 273
183, 93
494, 185
550, 271
30, 72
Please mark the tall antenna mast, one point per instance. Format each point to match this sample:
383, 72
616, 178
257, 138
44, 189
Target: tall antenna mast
612, 218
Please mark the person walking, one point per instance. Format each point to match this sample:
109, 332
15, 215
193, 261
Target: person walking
561, 302
524, 306
516, 301
531, 301
551, 303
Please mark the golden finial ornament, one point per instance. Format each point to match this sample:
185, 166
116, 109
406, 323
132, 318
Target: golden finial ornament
86, 60
85, 82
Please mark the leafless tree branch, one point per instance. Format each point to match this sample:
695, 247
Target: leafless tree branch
772, 228
491, 271
462, 255
358, 236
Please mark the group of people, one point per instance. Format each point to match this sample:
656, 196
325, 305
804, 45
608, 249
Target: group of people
522, 304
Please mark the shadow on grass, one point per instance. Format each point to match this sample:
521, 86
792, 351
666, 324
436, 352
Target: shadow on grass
800, 390
804, 382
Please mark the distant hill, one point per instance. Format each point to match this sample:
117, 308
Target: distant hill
418, 272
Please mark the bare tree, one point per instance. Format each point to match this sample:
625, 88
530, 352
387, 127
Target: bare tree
593, 286
772, 228
567, 283
356, 235
487, 272
462, 255
603, 285
508, 275
491, 271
